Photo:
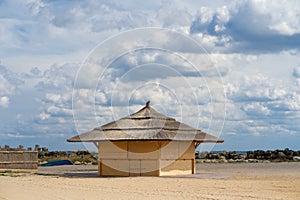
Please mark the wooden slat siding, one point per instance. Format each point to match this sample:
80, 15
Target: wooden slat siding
123, 158
18, 160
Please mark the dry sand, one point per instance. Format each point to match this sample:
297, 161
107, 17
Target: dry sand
214, 181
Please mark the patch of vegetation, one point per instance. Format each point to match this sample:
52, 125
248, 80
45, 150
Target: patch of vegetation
83, 157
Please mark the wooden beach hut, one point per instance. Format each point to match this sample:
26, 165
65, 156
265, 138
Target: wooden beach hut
146, 143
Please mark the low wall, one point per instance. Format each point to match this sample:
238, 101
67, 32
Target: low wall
18, 160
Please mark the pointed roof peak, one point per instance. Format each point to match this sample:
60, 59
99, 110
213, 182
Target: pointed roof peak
148, 112
148, 104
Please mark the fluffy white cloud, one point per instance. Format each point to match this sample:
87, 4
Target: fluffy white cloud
44, 116
4, 101
290, 103
5, 86
256, 109
9, 84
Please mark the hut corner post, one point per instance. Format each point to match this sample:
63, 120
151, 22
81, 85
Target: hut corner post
96, 144
197, 144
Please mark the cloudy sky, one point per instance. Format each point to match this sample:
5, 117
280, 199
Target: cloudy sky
230, 68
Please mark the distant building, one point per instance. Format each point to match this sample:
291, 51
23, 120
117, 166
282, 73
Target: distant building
146, 143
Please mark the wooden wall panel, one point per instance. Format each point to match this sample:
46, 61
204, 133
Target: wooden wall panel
114, 168
143, 150
134, 167
149, 168
170, 151
112, 150
103, 155
112, 147
186, 150
179, 167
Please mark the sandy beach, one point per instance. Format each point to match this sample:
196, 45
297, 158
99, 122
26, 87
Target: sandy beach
213, 181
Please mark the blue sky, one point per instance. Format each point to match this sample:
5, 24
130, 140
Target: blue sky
252, 54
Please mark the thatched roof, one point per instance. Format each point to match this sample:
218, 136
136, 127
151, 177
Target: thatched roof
146, 124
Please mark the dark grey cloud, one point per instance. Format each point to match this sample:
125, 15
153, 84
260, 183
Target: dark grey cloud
251, 28
296, 72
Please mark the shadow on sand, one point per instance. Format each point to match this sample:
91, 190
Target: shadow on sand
91, 172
